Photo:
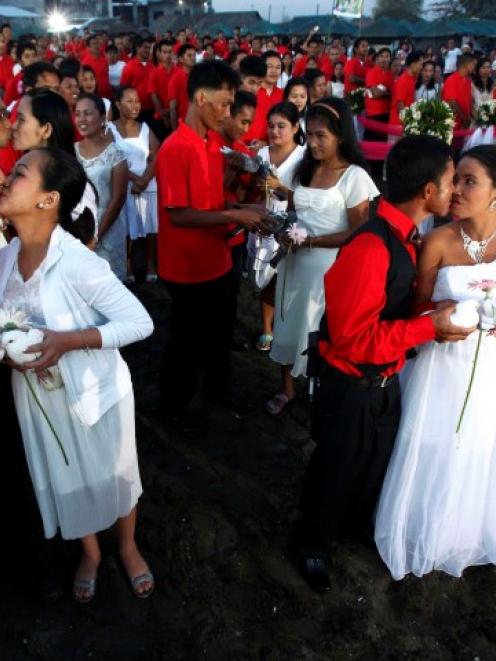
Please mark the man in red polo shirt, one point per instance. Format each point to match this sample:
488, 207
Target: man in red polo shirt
178, 84
267, 96
159, 85
137, 73
404, 88
194, 257
95, 59
314, 46
457, 90
357, 403
237, 184
379, 84
356, 67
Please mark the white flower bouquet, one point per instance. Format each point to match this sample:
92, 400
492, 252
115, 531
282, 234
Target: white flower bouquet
17, 335
486, 114
429, 117
356, 100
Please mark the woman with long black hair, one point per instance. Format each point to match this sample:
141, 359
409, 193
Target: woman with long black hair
331, 198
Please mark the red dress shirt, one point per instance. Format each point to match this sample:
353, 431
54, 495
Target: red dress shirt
458, 88
355, 294
190, 173
158, 84
403, 90
381, 105
265, 101
137, 74
354, 67
100, 67
178, 91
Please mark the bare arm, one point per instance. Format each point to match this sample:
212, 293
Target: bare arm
119, 191
140, 182
173, 114
250, 218
429, 263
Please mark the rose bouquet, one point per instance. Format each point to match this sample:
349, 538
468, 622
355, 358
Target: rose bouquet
356, 100
429, 117
486, 114
17, 335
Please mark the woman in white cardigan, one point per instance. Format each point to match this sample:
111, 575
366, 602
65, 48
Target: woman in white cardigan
86, 314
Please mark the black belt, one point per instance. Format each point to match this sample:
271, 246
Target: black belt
367, 381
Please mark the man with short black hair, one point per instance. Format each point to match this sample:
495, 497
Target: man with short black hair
267, 97
194, 257
357, 66
404, 88
252, 70
365, 336
136, 74
95, 59
457, 90
159, 85
178, 84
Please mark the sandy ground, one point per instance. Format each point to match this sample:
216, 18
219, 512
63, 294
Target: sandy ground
214, 525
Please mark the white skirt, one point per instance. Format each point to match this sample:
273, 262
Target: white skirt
101, 482
437, 508
299, 304
142, 214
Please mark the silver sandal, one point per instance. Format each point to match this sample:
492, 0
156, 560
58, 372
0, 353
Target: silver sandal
137, 581
88, 586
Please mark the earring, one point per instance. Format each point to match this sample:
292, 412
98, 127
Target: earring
40, 205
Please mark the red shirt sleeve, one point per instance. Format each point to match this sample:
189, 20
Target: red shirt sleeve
174, 179
355, 296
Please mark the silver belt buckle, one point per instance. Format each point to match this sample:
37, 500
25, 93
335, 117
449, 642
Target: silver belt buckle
384, 381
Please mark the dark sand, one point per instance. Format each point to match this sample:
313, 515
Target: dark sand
214, 524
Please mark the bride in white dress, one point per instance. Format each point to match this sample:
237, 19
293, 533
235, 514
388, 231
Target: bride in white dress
438, 504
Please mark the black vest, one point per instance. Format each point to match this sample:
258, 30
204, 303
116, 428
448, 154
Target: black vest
399, 283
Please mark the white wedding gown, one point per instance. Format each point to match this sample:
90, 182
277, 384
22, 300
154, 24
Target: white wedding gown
437, 508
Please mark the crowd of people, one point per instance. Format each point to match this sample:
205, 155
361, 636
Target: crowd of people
240, 156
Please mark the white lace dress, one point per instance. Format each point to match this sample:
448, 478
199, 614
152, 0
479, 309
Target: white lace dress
300, 276
437, 508
102, 481
112, 246
142, 209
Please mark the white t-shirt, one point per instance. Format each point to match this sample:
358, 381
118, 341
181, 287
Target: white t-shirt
115, 73
450, 60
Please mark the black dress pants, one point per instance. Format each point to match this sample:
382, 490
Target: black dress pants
200, 340
354, 426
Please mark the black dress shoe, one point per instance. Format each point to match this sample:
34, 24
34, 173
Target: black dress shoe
314, 571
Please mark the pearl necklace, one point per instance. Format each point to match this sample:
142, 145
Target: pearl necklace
475, 249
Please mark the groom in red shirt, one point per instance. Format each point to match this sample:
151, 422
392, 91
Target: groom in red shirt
365, 335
